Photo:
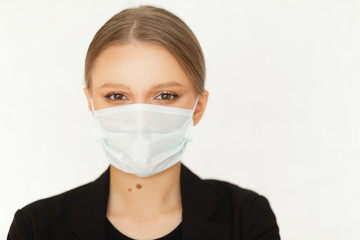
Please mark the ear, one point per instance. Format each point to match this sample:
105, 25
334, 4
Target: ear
200, 107
88, 97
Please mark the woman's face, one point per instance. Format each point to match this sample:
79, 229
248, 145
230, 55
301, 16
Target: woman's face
142, 73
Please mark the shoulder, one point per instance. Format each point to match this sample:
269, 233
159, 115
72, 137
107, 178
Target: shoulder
56, 204
62, 214
44, 214
224, 191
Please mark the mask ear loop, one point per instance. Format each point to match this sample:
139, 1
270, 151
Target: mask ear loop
195, 104
189, 134
92, 106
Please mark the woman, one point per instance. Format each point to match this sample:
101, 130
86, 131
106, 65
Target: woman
145, 74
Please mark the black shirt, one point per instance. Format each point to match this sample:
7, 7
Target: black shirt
114, 234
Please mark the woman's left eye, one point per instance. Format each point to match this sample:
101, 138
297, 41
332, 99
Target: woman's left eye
166, 96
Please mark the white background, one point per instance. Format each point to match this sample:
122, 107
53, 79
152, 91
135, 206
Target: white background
282, 118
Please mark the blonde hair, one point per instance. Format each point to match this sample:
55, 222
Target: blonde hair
149, 24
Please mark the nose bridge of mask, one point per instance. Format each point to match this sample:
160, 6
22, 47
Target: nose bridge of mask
93, 110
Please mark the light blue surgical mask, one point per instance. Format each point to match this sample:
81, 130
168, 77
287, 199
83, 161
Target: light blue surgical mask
143, 139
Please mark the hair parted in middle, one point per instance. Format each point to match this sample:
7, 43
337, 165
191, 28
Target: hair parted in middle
155, 25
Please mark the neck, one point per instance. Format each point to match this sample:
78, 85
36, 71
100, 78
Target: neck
144, 197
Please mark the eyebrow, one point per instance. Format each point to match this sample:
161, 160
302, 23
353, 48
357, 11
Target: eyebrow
114, 85
157, 86
167, 84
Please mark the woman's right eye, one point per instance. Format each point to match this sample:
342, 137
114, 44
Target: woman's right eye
116, 96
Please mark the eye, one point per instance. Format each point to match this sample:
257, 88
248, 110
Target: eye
167, 96
116, 96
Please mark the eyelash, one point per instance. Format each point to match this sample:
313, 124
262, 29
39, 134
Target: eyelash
172, 94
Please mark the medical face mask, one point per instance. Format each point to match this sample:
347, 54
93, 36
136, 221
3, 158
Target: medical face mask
143, 139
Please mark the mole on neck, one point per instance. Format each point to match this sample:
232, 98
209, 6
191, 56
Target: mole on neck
138, 186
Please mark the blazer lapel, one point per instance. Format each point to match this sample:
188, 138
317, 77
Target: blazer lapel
88, 213
198, 207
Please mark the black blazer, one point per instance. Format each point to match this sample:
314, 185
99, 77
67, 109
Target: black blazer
212, 210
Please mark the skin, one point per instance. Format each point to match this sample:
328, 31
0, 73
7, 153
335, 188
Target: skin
150, 204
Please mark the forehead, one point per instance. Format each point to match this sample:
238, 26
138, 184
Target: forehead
138, 65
